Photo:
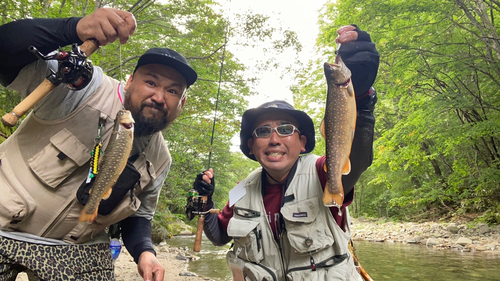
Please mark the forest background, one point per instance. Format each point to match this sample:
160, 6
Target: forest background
436, 148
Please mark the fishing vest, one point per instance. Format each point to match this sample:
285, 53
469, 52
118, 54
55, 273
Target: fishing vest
44, 163
313, 246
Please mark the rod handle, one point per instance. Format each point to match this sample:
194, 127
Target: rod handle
199, 232
89, 47
10, 119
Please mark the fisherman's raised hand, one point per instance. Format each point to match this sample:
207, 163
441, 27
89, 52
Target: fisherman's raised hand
351, 33
150, 268
360, 55
106, 25
205, 183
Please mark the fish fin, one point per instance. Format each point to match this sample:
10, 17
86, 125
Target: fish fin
107, 194
86, 217
333, 199
322, 128
324, 168
347, 168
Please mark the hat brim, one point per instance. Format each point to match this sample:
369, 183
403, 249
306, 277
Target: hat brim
306, 127
189, 74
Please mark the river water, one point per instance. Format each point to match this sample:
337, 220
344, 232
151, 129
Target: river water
383, 261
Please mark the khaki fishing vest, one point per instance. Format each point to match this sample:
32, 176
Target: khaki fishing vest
311, 235
43, 164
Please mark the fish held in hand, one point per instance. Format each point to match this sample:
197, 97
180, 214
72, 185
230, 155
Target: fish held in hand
337, 128
112, 164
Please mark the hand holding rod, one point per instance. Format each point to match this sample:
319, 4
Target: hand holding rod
10, 119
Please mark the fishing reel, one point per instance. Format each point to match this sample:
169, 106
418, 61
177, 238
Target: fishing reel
74, 69
195, 204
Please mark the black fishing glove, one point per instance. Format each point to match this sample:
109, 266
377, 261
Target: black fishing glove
203, 187
362, 58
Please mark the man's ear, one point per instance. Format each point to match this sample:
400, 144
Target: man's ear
129, 80
303, 141
250, 145
183, 101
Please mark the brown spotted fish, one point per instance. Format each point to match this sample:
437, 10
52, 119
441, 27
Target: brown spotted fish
337, 128
112, 164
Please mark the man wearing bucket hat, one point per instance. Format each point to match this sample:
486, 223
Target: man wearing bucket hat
280, 228
45, 164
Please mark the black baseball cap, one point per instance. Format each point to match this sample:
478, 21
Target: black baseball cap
170, 58
306, 125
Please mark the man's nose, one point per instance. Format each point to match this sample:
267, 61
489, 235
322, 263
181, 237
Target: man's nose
158, 97
274, 137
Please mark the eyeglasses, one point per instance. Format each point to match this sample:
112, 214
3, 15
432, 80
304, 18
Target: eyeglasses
284, 130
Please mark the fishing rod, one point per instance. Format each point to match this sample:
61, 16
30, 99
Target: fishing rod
195, 201
359, 268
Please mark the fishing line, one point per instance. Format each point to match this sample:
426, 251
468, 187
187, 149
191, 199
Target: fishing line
218, 94
121, 62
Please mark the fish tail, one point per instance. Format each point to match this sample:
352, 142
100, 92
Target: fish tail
333, 199
86, 217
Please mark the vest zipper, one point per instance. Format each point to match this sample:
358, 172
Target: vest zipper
280, 242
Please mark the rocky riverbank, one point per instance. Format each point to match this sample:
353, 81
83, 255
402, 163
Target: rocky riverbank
455, 236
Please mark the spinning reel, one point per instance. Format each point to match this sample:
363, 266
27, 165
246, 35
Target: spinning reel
196, 204
73, 67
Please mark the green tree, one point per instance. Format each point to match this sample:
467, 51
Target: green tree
438, 113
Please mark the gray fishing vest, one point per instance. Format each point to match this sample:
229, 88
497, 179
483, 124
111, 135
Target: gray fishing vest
313, 246
44, 163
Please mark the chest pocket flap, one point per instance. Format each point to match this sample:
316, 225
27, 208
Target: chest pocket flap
57, 160
303, 211
240, 228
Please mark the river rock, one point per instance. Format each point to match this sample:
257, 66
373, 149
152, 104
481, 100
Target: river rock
463, 241
453, 228
186, 232
482, 229
432, 242
481, 248
187, 273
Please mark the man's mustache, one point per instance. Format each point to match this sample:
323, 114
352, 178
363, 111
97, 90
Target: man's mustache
154, 105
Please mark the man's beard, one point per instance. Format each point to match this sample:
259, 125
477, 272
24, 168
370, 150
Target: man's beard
147, 126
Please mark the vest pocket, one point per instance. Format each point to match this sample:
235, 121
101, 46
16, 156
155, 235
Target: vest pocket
248, 271
247, 236
16, 203
61, 157
304, 230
